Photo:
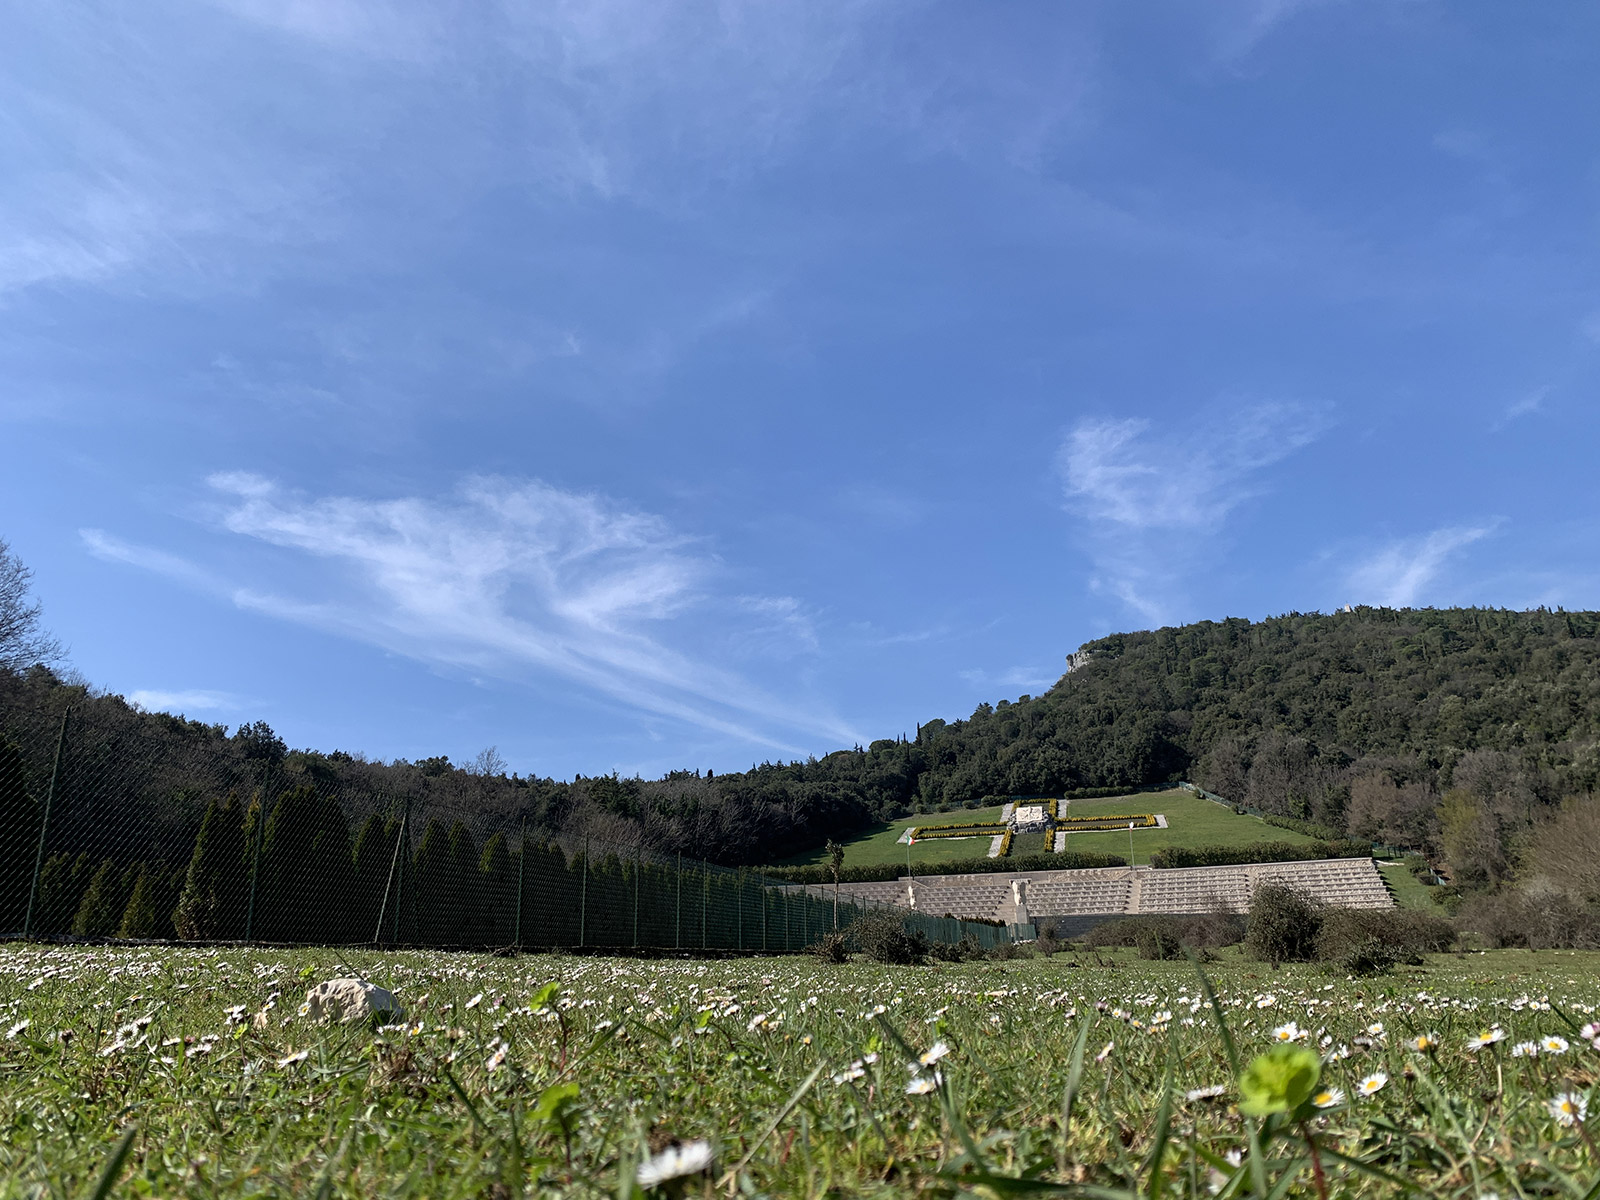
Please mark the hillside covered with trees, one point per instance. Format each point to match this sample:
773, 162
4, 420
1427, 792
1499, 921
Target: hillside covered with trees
1361, 721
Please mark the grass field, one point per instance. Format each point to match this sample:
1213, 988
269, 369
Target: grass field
559, 1076
1191, 821
1409, 891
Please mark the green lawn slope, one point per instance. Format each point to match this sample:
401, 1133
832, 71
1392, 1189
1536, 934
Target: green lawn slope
1191, 821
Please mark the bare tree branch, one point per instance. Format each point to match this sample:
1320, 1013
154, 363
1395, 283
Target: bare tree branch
22, 642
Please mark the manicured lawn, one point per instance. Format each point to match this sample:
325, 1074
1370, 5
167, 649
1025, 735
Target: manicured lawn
1409, 891
1191, 822
881, 843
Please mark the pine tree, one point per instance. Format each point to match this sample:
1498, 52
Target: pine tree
139, 919
215, 887
100, 911
19, 840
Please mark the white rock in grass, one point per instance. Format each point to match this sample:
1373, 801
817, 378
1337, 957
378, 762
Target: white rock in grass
340, 1000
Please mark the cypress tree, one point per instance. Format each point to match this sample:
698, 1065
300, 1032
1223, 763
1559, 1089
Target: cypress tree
19, 840
373, 855
61, 887
465, 884
215, 887
331, 874
431, 885
139, 919
497, 885
286, 900
100, 911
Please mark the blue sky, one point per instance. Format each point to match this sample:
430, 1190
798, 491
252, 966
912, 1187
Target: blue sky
638, 386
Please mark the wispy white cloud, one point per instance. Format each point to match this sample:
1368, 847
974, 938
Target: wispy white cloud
183, 702
510, 578
1149, 500
1400, 574
1523, 406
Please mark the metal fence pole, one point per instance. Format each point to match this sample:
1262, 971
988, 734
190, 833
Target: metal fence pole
405, 854
44, 825
522, 870
677, 920
638, 869
388, 885
765, 895
705, 903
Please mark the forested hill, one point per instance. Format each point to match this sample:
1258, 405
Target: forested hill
1355, 719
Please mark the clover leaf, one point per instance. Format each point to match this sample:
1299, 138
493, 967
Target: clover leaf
1279, 1081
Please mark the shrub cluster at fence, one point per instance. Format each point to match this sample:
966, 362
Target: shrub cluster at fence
1256, 852
1287, 924
100, 847
887, 872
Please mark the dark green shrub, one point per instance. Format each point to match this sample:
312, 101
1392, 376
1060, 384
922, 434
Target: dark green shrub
1164, 937
1406, 934
883, 937
1283, 924
831, 947
1368, 957
966, 950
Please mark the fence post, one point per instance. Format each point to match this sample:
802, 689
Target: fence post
677, 920
705, 902
583, 896
739, 892
44, 825
522, 869
255, 862
764, 898
388, 884
638, 869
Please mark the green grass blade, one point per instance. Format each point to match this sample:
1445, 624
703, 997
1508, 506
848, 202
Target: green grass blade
113, 1167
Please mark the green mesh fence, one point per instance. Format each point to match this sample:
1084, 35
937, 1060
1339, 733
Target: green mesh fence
106, 836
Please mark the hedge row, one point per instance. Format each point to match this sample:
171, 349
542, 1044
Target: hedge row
881, 872
1256, 852
1326, 833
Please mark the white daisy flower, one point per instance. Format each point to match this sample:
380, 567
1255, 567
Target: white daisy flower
1372, 1084
298, 1056
1331, 1098
1568, 1108
685, 1158
934, 1053
1525, 1050
1210, 1092
922, 1084
1487, 1037
1553, 1044
1288, 1033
